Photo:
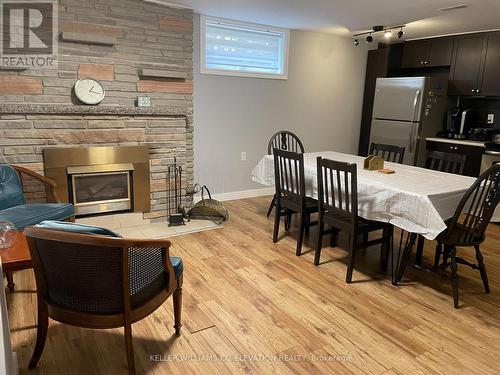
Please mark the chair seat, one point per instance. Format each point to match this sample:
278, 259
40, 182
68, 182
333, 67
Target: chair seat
370, 225
34, 213
343, 221
295, 203
178, 266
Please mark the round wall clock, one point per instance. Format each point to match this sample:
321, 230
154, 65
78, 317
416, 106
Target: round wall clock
89, 91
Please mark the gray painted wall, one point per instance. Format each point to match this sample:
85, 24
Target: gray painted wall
321, 102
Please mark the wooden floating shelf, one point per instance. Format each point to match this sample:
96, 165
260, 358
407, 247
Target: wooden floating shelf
88, 38
166, 74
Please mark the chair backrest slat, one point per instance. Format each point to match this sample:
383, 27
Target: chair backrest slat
446, 162
476, 208
337, 188
394, 154
285, 140
289, 173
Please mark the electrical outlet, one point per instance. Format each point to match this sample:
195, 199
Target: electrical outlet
491, 118
243, 156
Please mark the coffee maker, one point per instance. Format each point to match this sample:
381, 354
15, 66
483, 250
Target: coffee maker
457, 120
453, 122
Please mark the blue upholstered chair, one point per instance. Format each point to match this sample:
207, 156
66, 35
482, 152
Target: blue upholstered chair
15, 209
91, 277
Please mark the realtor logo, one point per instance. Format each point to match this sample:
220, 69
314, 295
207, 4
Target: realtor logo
28, 34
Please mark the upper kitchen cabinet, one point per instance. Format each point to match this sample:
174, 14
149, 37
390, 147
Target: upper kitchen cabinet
475, 65
428, 53
490, 84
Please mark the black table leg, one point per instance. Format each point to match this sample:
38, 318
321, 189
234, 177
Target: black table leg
404, 258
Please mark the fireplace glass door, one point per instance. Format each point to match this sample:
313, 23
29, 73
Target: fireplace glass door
101, 192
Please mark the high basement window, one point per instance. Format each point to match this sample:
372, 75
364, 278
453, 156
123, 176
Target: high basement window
243, 49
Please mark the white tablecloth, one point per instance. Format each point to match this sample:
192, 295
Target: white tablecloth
415, 199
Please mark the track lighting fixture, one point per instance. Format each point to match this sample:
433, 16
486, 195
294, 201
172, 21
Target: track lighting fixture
376, 29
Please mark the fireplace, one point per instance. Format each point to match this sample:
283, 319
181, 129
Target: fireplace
99, 180
93, 190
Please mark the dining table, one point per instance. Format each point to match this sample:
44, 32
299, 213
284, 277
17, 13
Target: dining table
416, 200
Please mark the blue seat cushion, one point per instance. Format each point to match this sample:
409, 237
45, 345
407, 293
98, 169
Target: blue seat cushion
178, 266
65, 226
34, 213
11, 190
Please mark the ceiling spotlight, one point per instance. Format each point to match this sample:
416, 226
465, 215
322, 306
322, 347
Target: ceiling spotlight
369, 38
356, 42
400, 33
388, 34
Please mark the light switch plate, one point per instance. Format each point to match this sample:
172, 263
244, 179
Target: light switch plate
243, 156
491, 118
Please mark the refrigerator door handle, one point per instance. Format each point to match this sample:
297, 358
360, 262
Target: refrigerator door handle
413, 130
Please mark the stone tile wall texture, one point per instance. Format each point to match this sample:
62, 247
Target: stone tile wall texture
144, 36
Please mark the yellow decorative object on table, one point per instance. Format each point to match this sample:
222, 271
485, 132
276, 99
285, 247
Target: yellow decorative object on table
373, 163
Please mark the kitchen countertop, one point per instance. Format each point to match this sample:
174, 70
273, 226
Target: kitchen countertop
457, 141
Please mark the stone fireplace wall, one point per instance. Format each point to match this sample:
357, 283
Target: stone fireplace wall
134, 48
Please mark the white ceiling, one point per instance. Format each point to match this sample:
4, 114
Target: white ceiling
423, 17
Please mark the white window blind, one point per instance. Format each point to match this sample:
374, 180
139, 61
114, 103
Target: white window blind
234, 48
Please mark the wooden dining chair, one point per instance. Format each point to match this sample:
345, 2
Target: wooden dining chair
338, 208
283, 140
99, 280
390, 153
445, 162
290, 193
468, 226
442, 162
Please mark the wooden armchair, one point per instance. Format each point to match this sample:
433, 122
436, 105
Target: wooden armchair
49, 185
98, 281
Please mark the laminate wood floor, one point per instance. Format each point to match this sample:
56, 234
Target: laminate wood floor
251, 306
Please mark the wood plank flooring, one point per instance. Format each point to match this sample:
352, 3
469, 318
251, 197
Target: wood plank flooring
253, 307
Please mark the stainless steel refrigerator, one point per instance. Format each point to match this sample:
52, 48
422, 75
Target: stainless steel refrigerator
407, 110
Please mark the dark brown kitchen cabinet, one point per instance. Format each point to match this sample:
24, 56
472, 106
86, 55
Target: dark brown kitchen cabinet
490, 83
415, 53
428, 53
474, 155
475, 68
467, 64
441, 51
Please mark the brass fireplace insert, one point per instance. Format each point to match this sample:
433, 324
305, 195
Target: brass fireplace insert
100, 179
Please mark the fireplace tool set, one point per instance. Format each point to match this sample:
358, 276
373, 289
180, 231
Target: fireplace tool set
176, 213
206, 209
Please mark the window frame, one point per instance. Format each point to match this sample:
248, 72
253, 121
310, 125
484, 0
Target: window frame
235, 73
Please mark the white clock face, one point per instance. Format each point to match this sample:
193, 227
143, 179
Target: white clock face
89, 91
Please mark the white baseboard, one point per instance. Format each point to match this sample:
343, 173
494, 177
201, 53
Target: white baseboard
231, 196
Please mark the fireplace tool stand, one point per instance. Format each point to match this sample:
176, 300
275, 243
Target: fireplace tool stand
175, 215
